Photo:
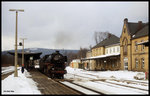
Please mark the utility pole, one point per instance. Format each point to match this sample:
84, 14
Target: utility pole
16, 54
23, 50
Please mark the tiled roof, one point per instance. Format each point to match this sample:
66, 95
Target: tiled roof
108, 41
143, 32
133, 27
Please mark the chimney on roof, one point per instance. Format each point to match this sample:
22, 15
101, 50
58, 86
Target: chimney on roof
139, 25
109, 35
126, 20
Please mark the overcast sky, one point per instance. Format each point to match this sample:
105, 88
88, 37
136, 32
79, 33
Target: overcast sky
68, 25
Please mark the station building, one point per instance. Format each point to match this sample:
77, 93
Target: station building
129, 52
134, 54
76, 63
105, 55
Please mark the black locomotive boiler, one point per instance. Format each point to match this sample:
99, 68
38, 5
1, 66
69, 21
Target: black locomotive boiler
53, 65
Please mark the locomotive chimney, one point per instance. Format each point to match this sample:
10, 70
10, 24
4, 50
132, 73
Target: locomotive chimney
57, 51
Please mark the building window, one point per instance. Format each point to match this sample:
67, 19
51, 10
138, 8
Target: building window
110, 50
142, 46
136, 63
114, 50
117, 49
136, 46
142, 60
125, 47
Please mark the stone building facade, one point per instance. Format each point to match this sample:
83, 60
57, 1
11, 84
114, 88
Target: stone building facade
133, 56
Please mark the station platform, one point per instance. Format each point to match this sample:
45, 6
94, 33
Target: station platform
48, 86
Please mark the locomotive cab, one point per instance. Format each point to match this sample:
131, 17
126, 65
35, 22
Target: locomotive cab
65, 58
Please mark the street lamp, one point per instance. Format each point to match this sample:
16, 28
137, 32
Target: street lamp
16, 57
22, 44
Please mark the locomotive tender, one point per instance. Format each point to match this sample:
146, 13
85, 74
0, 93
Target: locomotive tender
53, 65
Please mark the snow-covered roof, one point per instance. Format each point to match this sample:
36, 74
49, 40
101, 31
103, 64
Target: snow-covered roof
76, 60
101, 56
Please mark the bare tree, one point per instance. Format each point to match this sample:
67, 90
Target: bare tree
100, 36
82, 53
71, 56
95, 37
90, 47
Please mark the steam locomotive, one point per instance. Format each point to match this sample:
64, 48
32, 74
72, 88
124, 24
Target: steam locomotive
53, 65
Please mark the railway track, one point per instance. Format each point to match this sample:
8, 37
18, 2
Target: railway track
113, 83
48, 86
123, 86
6, 74
76, 87
84, 90
3, 76
128, 81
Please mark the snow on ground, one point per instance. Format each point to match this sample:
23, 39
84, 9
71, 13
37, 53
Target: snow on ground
85, 91
6, 70
77, 75
22, 84
122, 75
109, 88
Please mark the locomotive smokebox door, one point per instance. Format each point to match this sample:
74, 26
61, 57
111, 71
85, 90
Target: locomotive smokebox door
65, 58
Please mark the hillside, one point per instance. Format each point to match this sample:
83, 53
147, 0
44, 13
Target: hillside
43, 50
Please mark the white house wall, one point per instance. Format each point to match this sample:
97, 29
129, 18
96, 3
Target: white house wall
112, 49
